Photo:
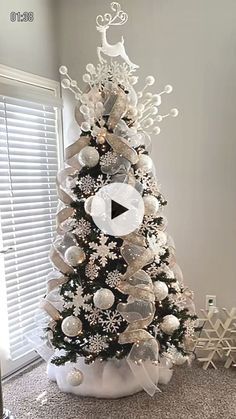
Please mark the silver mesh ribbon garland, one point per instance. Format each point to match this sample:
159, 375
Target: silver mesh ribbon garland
139, 312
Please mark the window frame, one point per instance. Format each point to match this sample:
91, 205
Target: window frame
12, 75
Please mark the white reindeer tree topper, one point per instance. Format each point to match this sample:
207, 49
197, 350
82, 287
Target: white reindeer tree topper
103, 23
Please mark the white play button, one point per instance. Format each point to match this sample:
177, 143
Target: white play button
117, 209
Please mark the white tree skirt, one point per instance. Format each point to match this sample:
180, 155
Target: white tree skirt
109, 379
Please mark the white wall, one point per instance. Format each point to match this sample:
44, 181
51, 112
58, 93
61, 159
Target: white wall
30, 46
192, 45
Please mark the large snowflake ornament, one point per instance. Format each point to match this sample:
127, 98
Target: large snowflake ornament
111, 321
152, 186
78, 301
97, 343
156, 244
154, 270
101, 181
149, 225
102, 251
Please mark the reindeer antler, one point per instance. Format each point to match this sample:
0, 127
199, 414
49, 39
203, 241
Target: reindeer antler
119, 17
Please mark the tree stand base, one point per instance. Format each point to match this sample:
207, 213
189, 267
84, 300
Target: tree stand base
109, 379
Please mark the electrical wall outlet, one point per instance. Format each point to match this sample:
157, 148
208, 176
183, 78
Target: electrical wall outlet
211, 302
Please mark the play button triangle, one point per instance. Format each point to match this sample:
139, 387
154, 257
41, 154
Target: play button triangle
117, 209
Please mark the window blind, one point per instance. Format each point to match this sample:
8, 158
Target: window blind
28, 203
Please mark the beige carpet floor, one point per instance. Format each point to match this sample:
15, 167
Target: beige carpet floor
192, 394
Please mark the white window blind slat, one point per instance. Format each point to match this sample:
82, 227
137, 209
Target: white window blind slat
28, 205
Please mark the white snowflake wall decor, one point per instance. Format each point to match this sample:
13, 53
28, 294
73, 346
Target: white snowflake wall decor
217, 339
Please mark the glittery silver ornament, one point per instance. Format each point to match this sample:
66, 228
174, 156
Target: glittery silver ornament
74, 255
75, 377
160, 290
151, 205
71, 326
88, 156
103, 298
169, 324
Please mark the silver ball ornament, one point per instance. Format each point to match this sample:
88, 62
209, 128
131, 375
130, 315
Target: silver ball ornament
151, 205
169, 324
103, 299
88, 156
145, 163
160, 290
75, 377
74, 255
71, 326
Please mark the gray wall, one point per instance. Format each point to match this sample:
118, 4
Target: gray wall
30, 46
192, 45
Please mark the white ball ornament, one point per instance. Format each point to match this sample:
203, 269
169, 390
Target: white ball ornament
168, 88
90, 68
133, 80
85, 126
65, 83
150, 80
156, 130
160, 290
174, 112
148, 122
156, 99
169, 324
84, 109
63, 70
145, 163
88, 156
75, 377
71, 326
154, 110
103, 298
86, 78
148, 95
151, 205
74, 255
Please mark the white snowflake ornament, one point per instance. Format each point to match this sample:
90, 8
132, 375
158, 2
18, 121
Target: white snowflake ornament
113, 278
97, 343
78, 301
83, 228
102, 251
111, 321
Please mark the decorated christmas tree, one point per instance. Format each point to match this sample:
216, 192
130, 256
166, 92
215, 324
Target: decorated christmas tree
121, 316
